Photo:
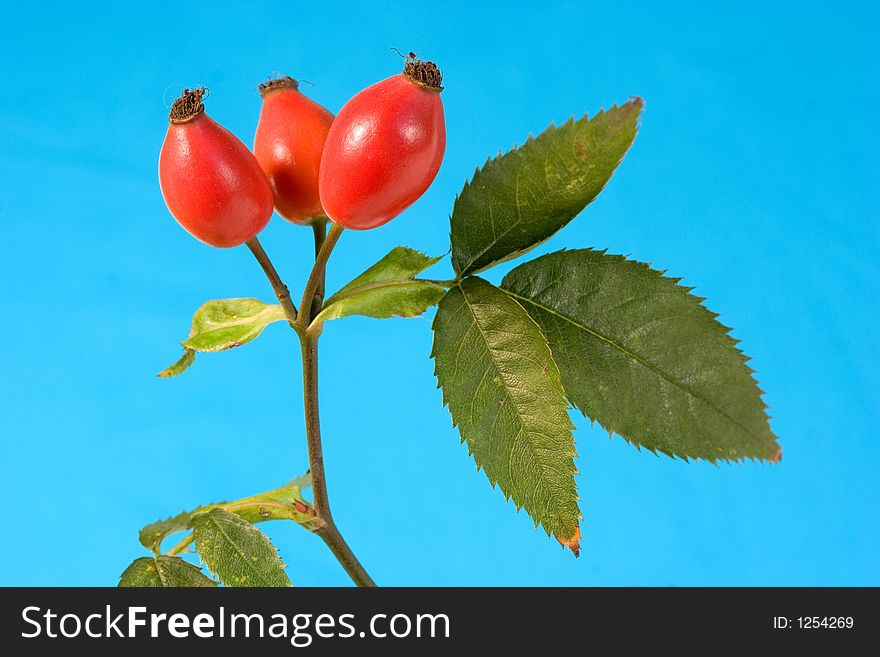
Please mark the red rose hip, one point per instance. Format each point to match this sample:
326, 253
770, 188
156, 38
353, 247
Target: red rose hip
288, 145
384, 148
211, 182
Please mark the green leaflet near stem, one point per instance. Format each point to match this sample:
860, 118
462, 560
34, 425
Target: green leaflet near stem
387, 289
641, 355
503, 390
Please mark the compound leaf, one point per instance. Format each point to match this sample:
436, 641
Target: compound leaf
284, 503
642, 356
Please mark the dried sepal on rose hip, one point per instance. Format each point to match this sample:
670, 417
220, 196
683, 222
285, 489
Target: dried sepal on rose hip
212, 184
288, 144
384, 148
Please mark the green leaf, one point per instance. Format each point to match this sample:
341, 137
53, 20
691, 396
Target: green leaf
521, 198
228, 323
181, 366
164, 571
387, 289
401, 263
643, 357
152, 535
285, 503
236, 551
504, 392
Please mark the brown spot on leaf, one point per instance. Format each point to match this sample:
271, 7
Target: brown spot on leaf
573, 543
580, 151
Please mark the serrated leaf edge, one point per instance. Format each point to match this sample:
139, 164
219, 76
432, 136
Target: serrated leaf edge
744, 359
634, 101
328, 312
249, 527
573, 543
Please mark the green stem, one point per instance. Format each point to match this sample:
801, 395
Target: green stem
319, 227
278, 286
310, 305
183, 546
316, 278
447, 284
328, 532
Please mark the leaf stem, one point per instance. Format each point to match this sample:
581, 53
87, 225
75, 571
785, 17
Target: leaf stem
316, 278
447, 284
182, 546
278, 286
329, 533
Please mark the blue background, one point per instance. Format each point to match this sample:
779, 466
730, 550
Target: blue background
754, 176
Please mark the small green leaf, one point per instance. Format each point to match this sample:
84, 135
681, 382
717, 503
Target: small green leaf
236, 551
164, 571
521, 198
400, 263
643, 357
152, 535
504, 392
387, 289
285, 503
228, 323
181, 366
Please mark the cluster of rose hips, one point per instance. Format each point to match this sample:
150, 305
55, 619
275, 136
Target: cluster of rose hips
361, 169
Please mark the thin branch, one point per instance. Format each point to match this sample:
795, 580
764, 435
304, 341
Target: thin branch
329, 532
316, 278
311, 303
183, 546
278, 286
319, 227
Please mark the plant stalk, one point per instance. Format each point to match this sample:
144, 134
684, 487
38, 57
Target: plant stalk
278, 286
319, 227
316, 278
329, 533
310, 305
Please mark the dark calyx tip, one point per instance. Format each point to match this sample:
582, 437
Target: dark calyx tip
425, 74
284, 82
188, 106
